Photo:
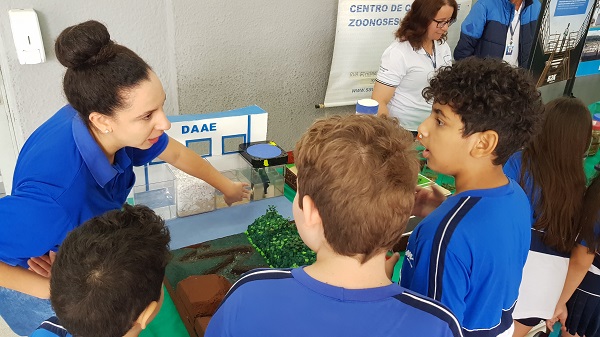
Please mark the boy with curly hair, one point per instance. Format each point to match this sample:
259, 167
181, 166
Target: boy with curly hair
356, 181
470, 250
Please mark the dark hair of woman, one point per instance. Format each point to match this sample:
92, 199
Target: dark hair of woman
413, 27
99, 71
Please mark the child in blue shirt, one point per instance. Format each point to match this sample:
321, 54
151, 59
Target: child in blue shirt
356, 180
551, 173
108, 274
578, 307
469, 252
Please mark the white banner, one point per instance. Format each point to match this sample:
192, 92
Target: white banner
364, 29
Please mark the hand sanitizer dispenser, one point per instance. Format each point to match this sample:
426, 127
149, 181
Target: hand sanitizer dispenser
27, 36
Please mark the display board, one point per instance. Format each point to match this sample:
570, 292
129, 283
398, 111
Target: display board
590, 56
561, 36
364, 30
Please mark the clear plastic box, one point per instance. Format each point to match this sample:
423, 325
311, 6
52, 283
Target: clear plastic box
155, 187
194, 196
234, 167
267, 182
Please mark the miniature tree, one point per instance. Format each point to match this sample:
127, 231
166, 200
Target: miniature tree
277, 240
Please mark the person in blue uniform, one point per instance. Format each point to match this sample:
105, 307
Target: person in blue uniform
351, 207
79, 163
469, 252
551, 173
107, 278
503, 29
578, 307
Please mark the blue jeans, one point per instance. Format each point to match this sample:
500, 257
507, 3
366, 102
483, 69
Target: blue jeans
23, 313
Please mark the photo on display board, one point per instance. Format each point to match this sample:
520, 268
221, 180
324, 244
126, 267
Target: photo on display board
590, 56
561, 38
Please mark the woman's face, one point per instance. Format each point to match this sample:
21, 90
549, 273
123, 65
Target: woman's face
143, 119
442, 18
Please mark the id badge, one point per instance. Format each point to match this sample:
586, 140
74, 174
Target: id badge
509, 50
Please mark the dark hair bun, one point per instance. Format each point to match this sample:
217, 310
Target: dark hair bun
85, 44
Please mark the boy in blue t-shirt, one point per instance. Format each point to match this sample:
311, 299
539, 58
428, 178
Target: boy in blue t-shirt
356, 181
107, 277
469, 251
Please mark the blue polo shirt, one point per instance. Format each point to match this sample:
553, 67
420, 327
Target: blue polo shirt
469, 254
61, 180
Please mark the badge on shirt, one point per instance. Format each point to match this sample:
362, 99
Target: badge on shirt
509, 49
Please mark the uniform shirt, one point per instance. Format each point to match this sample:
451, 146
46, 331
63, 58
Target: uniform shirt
51, 328
469, 254
278, 302
62, 179
591, 282
409, 72
537, 299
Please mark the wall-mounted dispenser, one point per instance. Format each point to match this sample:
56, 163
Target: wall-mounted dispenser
27, 36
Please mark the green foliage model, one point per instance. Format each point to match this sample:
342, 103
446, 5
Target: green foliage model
277, 240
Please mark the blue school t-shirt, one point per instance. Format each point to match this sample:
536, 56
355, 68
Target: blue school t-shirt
469, 254
283, 302
61, 180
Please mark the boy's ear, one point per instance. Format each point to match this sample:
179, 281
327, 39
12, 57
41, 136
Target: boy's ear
310, 212
146, 316
486, 144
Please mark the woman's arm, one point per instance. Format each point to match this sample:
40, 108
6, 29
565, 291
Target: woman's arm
25, 281
579, 263
383, 94
191, 163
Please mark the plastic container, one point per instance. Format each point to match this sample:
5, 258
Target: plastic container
234, 167
267, 182
267, 164
155, 187
595, 142
367, 106
194, 196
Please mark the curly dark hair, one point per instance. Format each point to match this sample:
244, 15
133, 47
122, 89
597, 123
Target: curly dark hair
490, 94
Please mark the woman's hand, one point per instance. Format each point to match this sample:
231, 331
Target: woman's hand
236, 192
42, 265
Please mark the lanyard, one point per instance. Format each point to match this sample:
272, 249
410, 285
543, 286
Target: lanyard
512, 29
432, 57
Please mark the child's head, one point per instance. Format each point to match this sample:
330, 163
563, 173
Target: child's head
554, 163
482, 108
356, 178
108, 273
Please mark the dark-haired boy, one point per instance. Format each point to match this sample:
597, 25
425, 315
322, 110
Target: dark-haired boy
356, 180
470, 251
107, 277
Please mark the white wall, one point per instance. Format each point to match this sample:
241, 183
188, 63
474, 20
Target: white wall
211, 56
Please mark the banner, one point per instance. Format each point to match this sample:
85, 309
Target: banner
590, 57
365, 28
562, 31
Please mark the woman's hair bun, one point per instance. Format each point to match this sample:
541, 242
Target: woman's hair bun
84, 44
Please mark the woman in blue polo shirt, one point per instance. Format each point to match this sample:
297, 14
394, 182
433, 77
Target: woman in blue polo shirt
79, 163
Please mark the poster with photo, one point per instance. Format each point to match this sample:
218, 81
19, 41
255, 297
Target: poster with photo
590, 56
561, 36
